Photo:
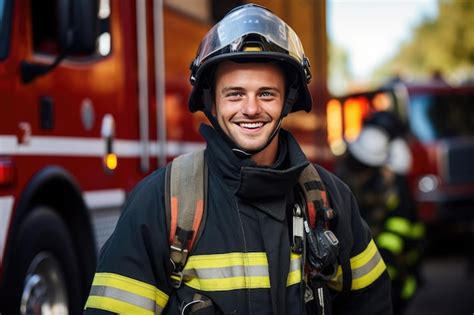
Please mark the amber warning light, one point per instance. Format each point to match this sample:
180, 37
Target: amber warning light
111, 161
7, 172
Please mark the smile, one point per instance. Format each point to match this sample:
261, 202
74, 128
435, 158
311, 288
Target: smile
251, 125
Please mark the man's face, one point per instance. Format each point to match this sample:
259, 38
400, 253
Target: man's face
248, 102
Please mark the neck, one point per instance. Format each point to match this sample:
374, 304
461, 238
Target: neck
267, 156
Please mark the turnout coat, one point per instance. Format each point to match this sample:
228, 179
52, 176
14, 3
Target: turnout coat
242, 263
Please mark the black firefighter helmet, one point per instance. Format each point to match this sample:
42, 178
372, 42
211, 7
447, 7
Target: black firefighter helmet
252, 33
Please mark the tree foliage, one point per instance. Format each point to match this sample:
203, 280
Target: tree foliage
339, 73
444, 45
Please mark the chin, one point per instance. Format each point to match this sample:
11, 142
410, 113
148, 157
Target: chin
250, 149
250, 146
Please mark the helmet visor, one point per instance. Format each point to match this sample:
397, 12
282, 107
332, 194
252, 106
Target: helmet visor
230, 31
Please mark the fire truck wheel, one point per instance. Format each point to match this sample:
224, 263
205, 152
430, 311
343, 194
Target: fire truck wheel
48, 273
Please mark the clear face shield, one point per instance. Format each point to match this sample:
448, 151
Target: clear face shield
230, 32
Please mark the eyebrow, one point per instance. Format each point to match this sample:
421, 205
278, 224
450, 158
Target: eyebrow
270, 88
237, 88
232, 88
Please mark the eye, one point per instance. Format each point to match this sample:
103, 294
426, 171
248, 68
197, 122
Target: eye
267, 94
234, 95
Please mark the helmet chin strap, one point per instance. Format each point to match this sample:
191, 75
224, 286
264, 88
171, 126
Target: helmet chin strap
247, 153
242, 153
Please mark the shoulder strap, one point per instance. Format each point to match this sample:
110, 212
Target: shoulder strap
318, 207
185, 203
317, 201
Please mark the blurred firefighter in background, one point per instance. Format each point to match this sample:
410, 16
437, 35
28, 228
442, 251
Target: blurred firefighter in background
375, 167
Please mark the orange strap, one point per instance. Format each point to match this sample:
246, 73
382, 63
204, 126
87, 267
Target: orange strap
174, 218
197, 221
311, 214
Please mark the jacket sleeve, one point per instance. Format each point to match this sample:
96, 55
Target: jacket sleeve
362, 284
133, 270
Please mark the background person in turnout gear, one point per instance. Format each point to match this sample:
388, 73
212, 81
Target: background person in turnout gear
265, 248
375, 168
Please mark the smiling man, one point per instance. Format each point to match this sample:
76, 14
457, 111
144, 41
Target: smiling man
248, 105
278, 235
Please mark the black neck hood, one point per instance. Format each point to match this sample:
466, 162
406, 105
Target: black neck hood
265, 187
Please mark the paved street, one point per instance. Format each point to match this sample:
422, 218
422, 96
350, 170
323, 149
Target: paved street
448, 289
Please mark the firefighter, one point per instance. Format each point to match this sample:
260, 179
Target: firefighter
375, 167
258, 252
403, 217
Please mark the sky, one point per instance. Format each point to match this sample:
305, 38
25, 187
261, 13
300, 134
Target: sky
372, 30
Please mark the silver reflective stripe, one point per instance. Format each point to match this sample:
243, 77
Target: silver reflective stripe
226, 272
126, 297
236, 271
368, 267
295, 264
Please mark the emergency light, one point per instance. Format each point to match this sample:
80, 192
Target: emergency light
7, 172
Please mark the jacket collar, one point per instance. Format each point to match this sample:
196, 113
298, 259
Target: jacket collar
266, 188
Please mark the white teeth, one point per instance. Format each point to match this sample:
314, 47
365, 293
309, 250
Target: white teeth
251, 125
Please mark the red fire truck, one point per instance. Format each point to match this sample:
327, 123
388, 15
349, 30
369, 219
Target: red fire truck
441, 123
93, 96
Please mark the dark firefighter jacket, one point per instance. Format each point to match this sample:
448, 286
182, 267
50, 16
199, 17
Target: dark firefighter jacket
242, 263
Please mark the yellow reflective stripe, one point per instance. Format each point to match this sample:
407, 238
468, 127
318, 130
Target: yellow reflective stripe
131, 285
229, 271
125, 297
227, 284
418, 230
366, 267
399, 225
336, 282
366, 275
294, 274
370, 277
390, 242
115, 306
365, 256
233, 271
393, 201
294, 277
226, 260
409, 287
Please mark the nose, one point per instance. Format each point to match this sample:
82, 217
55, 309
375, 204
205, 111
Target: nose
251, 106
